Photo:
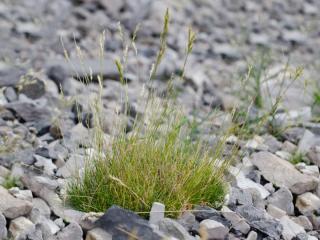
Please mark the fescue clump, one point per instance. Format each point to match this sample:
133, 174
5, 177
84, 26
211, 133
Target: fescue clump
159, 160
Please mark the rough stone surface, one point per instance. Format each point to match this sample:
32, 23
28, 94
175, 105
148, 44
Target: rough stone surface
213, 229
307, 203
12, 207
282, 173
282, 199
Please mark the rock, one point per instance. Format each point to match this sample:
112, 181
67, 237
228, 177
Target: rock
98, 234
311, 170
210, 229
270, 227
72, 231
172, 228
269, 187
282, 173
252, 236
284, 155
42, 206
240, 197
32, 87
21, 194
129, 222
238, 223
10, 75
282, 199
275, 211
34, 115
245, 183
314, 155
290, 228
251, 213
12, 207
289, 147
20, 227
204, 212
3, 227
59, 76
189, 222
307, 203
72, 167
46, 164
10, 94
156, 213
303, 221
306, 142
294, 37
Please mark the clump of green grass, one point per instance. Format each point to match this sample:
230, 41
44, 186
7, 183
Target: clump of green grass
296, 158
158, 162
10, 182
161, 159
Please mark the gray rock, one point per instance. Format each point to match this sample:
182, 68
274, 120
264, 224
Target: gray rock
282, 173
290, 228
307, 141
282, 199
189, 222
44, 209
72, 167
32, 87
3, 227
21, 194
303, 221
118, 222
72, 231
210, 229
20, 227
10, 94
240, 197
46, 164
12, 207
275, 211
156, 213
10, 75
238, 223
172, 228
270, 227
314, 155
308, 203
204, 212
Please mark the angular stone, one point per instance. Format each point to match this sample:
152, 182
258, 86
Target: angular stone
44, 209
12, 207
290, 228
275, 212
303, 221
307, 203
210, 229
282, 199
156, 213
238, 223
282, 173
72, 231
189, 222
307, 141
21, 194
32, 87
252, 236
20, 227
118, 222
172, 228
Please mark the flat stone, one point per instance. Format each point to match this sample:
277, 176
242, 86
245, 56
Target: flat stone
172, 228
307, 203
21, 194
12, 207
290, 228
72, 231
282, 173
238, 223
282, 199
213, 230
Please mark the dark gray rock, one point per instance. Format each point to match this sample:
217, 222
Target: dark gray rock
270, 227
32, 87
239, 197
204, 212
118, 221
250, 213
